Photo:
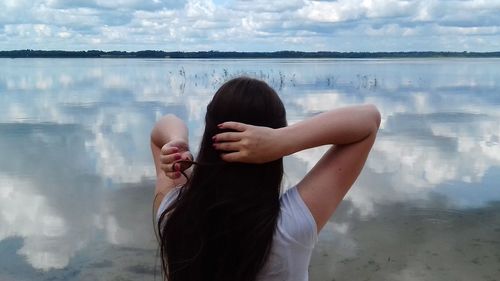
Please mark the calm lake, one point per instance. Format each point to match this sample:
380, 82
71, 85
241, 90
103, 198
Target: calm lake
76, 175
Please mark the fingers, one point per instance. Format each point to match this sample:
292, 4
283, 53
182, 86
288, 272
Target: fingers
170, 167
170, 158
240, 127
172, 154
166, 149
173, 164
173, 175
186, 155
175, 158
227, 146
231, 157
174, 170
181, 144
174, 146
184, 164
228, 136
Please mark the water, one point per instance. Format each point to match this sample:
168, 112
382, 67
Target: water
76, 175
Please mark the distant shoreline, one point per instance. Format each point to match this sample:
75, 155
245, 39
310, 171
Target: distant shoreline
239, 55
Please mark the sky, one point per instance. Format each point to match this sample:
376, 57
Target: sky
243, 25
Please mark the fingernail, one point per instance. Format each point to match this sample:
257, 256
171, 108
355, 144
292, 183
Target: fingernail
177, 174
177, 157
220, 126
177, 167
214, 139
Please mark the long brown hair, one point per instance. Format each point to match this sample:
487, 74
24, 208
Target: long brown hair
221, 225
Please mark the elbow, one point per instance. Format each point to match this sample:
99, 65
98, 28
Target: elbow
156, 132
154, 136
378, 118
375, 116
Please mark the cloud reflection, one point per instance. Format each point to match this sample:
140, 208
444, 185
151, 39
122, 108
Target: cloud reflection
52, 198
76, 154
41, 203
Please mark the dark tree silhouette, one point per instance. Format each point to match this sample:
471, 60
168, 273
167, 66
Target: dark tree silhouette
233, 55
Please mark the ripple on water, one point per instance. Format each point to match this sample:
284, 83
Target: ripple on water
436, 216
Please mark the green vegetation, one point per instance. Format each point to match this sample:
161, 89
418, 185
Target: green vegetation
234, 55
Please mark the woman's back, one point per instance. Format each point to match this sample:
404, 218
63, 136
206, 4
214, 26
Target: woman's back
228, 222
221, 226
292, 243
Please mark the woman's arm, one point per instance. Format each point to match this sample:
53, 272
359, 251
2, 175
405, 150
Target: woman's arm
169, 143
351, 129
343, 126
168, 128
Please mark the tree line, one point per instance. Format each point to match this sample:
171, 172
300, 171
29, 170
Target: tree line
235, 55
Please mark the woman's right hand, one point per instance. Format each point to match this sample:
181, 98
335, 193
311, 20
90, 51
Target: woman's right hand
248, 143
173, 156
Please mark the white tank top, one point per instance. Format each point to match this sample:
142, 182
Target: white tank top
293, 241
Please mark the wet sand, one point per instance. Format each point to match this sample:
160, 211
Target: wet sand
406, 243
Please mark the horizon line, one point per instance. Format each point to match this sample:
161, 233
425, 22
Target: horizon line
30, 53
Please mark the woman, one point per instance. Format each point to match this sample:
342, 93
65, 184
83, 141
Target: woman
227, 221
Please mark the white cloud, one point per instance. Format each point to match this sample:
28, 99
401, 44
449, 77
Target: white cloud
265, 6
344, 25
200, 8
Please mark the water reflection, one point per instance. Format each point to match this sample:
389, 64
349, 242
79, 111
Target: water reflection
76, 176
